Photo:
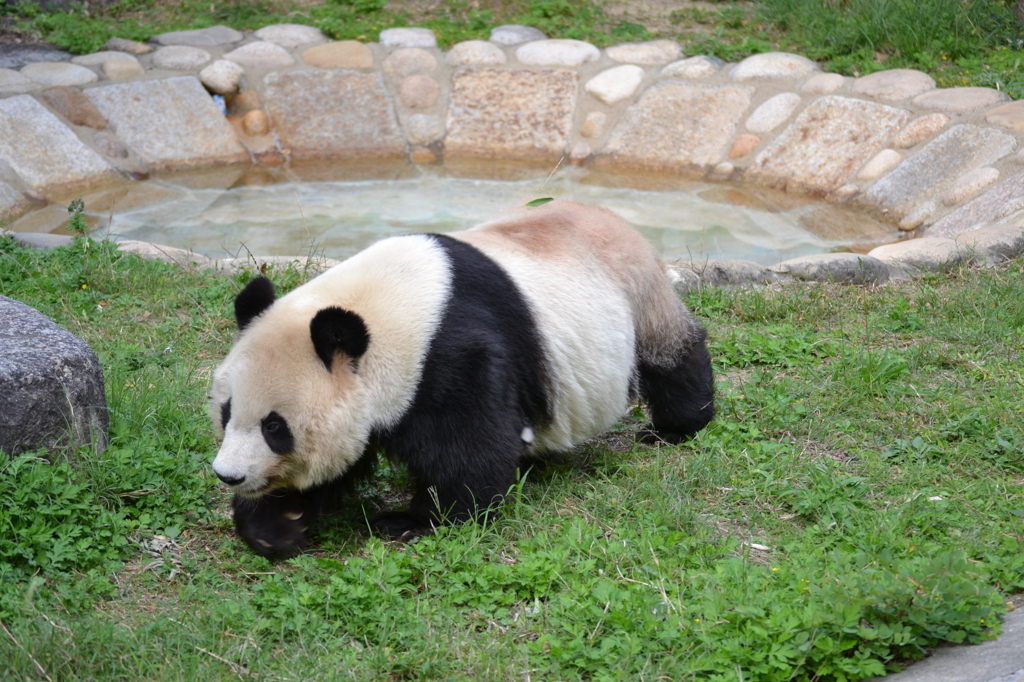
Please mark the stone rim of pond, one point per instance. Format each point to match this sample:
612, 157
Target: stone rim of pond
938, 163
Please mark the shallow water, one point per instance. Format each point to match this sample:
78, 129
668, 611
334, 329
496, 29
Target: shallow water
284, 214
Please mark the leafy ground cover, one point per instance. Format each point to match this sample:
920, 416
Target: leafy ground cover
859, 499
980, 42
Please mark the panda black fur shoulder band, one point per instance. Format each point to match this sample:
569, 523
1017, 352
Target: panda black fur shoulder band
458, 355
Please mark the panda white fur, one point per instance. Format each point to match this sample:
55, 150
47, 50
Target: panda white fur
458, 355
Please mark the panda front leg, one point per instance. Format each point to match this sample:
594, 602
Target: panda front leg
276, 523
454, 485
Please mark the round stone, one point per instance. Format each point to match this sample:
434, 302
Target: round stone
242, 103
743, 145
261, 56
13, 83
880, 164
615, 84
514, 34
110, 145
917, 216
579, 153
928, 254
222, 77
773, 112
122, 69
1009, 116
822, 84
698, 67
593, 126
422, 155
408, 37
406, 62
650, 52
419, 92
722, 170
200, 37
59, 73
97, 58
476, 52
290, 35
256, 123
846, 192
845, 268
917, 130
960, 100
970, 184
343, 54
773, 65
423, 129
557, 53
893, 85
180, 57
694, 67
130, 46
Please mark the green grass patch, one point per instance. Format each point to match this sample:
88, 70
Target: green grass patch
82, 31
960, 43
859, 499
978, 43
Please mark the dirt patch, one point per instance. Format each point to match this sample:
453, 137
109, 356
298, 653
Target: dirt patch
12, 35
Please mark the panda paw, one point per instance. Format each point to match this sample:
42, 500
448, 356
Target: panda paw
274, 525
400, 526
649, 436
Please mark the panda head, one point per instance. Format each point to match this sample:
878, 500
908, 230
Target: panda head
288, 399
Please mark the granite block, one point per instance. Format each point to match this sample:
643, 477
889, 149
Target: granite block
829, 140
338, 113
170, 123
999, 202
42, 150
511, 114
669, 126
941, 162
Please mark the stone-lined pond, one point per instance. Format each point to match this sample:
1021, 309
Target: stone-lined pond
283, 214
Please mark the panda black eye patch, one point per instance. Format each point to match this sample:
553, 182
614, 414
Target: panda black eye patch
277, 434
225, 414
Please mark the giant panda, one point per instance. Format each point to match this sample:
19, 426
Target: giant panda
460, 355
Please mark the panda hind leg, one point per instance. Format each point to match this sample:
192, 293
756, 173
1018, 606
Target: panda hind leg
680, 394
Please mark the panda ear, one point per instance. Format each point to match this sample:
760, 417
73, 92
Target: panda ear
256, 297
333, 329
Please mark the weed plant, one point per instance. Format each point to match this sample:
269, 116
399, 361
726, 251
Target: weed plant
858, 500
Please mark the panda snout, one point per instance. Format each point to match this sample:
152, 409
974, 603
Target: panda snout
230, 480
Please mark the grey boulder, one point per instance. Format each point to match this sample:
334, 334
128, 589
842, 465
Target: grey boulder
841, 268
717, 272
51, 384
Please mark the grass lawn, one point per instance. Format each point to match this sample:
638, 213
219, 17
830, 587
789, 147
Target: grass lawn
859, 499
979, 42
